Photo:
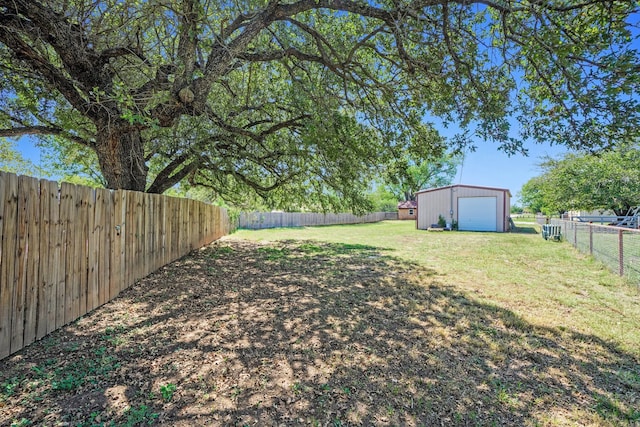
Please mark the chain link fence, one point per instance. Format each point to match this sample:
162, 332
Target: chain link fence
618, 248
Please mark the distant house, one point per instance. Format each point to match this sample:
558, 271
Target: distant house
573, 215
407, 210
470, 207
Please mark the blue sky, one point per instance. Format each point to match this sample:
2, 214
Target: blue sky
488, 166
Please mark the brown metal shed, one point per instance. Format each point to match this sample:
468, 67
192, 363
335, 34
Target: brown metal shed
472, 208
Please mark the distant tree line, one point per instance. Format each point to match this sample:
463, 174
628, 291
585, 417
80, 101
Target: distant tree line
606, 180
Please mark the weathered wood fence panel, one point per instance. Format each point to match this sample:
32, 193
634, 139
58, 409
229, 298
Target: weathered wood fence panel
258, 220
66, 250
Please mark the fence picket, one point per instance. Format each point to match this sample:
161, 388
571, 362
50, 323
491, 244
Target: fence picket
132, 248
9, 186
181, 211
138, 214
122, 198
183, 236
168, 230
149, 220
109, 238
102, 224
93, 244
114, 250
44, 298
129, 238
83, 201
32, 192
191, 222
20, 268
61, 247
55, 255
159, 231
173, 220
71, 284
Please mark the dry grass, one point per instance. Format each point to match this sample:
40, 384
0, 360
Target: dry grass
365, 325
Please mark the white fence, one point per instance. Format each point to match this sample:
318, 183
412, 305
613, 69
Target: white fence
618, 248
258, 220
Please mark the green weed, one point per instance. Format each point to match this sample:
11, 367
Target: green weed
94, 421
310, 248
72, 347
220, 251
390, 410
140, 415
167, 391
274, 254
8, 388
236, 392
76, 374
67, 383
114, 335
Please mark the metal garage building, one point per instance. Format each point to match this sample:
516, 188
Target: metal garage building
473, 208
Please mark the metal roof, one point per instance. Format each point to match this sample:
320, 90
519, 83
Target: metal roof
466, 186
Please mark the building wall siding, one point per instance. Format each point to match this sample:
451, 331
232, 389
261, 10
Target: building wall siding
433, 204
444, 201
405, 214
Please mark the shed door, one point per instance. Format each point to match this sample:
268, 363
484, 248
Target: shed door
477, 213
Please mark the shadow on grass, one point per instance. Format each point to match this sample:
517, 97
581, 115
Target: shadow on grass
311, 333
525, 229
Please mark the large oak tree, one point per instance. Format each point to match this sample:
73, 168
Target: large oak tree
307, 97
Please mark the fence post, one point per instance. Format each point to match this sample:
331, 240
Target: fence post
575, 236
590, 239
621, 252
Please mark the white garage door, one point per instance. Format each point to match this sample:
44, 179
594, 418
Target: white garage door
477, 213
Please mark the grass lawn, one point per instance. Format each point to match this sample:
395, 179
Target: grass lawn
530, 219
373, 324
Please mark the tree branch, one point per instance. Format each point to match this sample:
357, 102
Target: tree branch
291, 123
168, 177
43, 130
116, 52
55, 77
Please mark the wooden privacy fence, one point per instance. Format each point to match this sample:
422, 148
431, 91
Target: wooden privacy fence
65, 251
258, 220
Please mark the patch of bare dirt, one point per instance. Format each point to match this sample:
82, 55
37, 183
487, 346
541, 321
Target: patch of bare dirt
296, 333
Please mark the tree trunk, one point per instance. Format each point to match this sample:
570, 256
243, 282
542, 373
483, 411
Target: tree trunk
120, 153
621, 211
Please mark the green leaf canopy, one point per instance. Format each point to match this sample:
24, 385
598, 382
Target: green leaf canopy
306, 101
587, 181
